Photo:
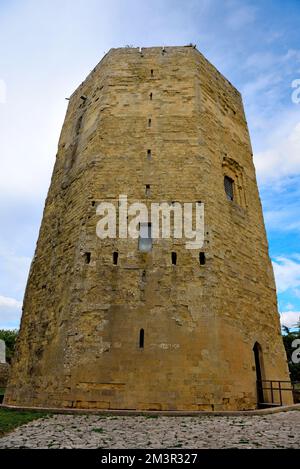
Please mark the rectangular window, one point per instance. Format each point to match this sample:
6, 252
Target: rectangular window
228, 185
145, 239
147, 190
115, 257
87, 257
202, 258
142, 338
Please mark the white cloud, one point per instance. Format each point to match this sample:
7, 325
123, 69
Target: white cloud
289, 306
282, 158
10, 312
262, 82
13, 272
241, 16
290, 318
283, 219
266, 59
296, 292
287, 274
8, 302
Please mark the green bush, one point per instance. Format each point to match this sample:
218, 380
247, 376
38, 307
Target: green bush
9, 337
288, 338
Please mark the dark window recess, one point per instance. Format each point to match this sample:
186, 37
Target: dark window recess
87, 257
144, 276
115, 257
93, 203
174, 258
259, 376
202, 259
149, 122
147, 190
149, 154
151, 96
228, 185
142, 338
152, 73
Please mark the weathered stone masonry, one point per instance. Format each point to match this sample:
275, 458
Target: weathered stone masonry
79, 344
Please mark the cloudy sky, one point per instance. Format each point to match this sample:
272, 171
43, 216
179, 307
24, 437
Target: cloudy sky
47, 47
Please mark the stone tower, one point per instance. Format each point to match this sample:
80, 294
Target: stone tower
108, 326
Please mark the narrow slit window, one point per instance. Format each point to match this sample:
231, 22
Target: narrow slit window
149, 155
142, 338
149, 122
145, 238
147, 190
174, 258
115, 257
152, 72
150, 96
202, 258
87, 257
228, 185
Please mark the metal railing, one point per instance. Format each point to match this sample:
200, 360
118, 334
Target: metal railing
270, 391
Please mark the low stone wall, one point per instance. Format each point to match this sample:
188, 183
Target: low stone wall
4, 372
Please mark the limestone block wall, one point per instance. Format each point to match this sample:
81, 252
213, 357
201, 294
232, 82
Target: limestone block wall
4, 374
79, 339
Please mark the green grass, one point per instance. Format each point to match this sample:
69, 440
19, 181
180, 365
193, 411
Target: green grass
10, 419
98, 430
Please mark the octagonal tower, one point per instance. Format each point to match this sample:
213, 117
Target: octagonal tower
108, 326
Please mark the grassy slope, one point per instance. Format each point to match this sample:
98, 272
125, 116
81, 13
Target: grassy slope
10, 419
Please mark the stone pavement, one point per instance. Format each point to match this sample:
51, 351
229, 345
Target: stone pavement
281, 430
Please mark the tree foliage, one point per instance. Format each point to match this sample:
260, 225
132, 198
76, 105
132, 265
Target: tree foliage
9, 337
288, 337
